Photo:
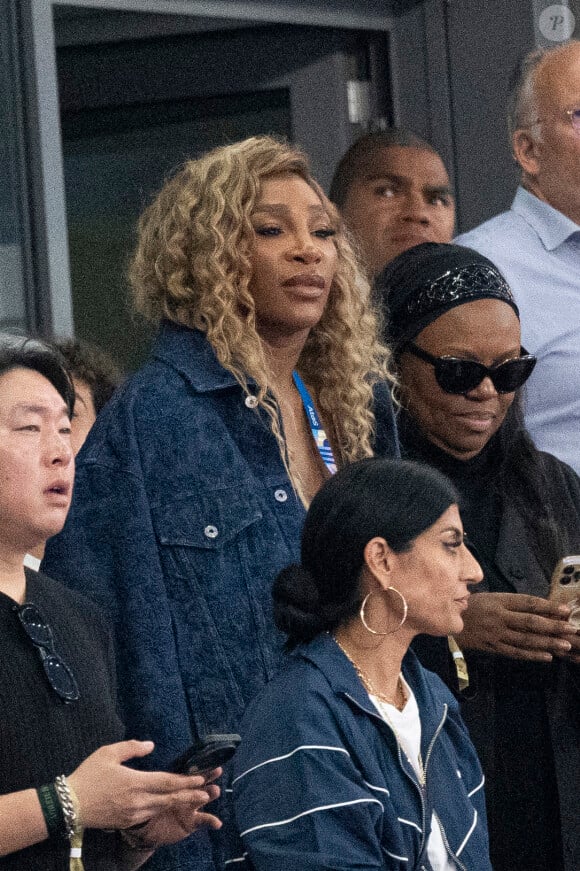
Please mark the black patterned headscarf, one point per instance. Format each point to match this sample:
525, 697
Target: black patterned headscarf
424, 282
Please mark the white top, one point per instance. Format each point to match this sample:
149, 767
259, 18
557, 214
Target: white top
406, 725
31, 562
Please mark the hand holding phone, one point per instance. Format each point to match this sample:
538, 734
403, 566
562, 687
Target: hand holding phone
565, 586
206, 754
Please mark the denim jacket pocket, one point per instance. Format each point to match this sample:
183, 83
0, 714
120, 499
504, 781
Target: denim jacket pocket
203, 543
206, 520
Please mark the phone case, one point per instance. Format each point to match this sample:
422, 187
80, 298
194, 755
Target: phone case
210, 752
565, 586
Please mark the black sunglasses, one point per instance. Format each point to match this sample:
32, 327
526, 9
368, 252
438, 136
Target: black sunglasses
457, 375
58, 673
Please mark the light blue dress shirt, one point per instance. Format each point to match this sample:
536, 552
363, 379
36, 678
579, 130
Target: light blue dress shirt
538, 250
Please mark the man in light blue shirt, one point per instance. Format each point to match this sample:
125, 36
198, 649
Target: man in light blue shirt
537, 243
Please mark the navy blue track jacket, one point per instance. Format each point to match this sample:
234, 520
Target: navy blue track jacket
320, 782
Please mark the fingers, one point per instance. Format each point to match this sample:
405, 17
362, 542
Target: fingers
574, 654
537, 605
158, 783
492, 603
538, 633
164, 781
212, 775
535, 635
209, 820
534, 624
570, 651
125, 750
181, 807
213, 791
152, 802
500, 622
513, 652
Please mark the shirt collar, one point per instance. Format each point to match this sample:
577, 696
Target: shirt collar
189, 353
552, 226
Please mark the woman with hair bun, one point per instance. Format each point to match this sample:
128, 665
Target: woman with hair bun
354, 756
192, 487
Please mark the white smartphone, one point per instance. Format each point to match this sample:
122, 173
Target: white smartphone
565, 586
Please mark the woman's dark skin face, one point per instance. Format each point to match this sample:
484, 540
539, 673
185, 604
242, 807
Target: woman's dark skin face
510, 624
486, 330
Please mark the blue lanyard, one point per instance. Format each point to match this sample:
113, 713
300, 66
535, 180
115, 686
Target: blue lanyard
318, 433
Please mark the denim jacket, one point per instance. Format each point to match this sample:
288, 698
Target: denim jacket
182, 516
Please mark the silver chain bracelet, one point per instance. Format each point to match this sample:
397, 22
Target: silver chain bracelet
67, 805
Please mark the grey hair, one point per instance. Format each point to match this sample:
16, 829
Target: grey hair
521, 102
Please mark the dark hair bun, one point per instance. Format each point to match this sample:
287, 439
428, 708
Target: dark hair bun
297, 611
391, 499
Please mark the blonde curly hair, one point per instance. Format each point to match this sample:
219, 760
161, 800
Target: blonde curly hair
192, 265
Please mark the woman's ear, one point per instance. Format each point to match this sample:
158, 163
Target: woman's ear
378, 558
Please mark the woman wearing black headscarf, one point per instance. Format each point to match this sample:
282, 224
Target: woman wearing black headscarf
455, 329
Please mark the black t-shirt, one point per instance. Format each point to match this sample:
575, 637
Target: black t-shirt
40, 735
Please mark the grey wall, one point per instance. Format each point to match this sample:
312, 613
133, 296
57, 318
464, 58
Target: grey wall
485, 40
12, 232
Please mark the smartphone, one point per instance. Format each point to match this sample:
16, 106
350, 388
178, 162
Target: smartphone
207, 753
565, 586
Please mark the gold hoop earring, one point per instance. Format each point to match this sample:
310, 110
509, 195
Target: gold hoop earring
375, 631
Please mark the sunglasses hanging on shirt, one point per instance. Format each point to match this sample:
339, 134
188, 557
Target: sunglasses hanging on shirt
58, 673
458, 375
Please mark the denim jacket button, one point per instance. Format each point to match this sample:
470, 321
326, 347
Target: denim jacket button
250, 401
280, 495
211, 531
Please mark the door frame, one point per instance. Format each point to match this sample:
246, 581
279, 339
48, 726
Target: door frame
46, 171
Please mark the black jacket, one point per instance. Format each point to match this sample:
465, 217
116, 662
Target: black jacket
507, 697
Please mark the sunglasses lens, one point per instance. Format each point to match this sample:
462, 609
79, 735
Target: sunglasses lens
59, 675
61, 678
511, 375
458, 376
576, 119
35, 625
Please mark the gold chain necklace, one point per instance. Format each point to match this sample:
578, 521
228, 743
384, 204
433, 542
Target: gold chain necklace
368, 685
370, 688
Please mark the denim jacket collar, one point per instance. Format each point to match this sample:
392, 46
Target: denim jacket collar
189, 353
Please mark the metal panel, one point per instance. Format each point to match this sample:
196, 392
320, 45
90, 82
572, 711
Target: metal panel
359, 14
485, 40
46, 170
421, 86
13, 237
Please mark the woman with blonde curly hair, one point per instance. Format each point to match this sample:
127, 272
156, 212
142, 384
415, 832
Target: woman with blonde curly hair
191, 490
